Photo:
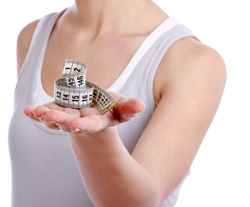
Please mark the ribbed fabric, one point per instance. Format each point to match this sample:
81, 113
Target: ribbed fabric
44, 170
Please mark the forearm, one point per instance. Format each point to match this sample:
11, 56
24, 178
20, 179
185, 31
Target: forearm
111, 175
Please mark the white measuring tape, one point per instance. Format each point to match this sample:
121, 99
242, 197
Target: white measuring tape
75, 92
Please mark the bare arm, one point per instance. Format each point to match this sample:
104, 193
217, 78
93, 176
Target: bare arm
190, 82
189, 86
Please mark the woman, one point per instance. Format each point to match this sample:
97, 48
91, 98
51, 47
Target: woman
168, 86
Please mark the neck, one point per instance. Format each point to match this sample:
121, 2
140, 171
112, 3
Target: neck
103, 15
96, 17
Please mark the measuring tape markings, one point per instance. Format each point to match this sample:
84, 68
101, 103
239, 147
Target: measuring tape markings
75, 92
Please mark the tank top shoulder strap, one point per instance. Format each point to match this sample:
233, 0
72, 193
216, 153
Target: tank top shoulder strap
39, 40
151, 51
40, 25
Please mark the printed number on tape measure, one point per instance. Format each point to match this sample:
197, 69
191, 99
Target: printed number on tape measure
72, 90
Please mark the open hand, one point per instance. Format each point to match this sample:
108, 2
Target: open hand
87, 120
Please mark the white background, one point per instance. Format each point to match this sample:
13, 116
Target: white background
220, 172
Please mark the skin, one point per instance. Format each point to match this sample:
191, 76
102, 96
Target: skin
188, 87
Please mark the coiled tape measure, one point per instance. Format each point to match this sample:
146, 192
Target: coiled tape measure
73, 91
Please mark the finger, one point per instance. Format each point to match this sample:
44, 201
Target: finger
59, 118
51, 126
55, 107
28, 111
128, 109
39, 113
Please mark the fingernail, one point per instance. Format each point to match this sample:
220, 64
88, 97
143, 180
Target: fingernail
49, 122
76, 130
38, 116
28, 115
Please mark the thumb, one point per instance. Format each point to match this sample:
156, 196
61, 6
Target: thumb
128, 109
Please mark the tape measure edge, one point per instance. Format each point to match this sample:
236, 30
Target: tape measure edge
108, 107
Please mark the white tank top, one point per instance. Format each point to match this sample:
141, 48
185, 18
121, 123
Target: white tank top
44, 170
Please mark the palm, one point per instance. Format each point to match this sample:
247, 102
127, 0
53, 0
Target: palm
86, 119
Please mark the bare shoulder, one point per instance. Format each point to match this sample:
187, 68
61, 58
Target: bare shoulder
23, 43
187, 62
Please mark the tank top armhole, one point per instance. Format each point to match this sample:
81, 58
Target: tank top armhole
178, 32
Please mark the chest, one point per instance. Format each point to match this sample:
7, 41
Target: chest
106, 58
